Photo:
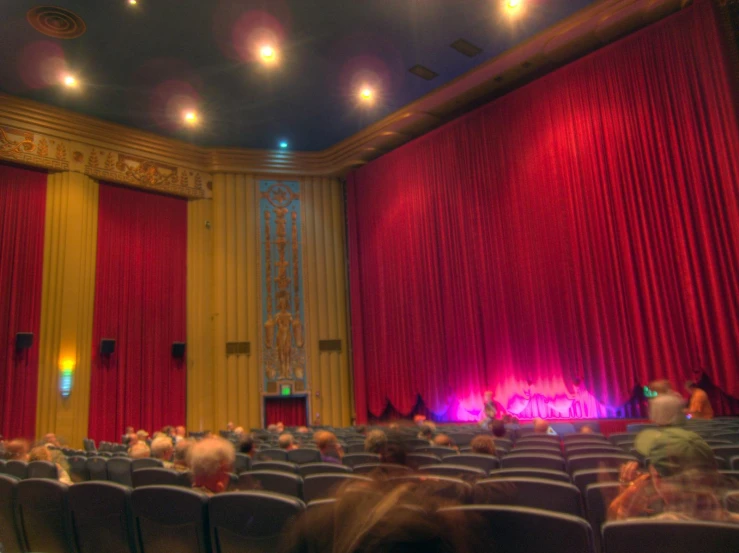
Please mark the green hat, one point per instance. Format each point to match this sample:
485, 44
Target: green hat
673, 450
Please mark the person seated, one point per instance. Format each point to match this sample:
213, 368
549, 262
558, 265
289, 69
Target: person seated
139, 451
498, 428
586, 430
238, 433
180, 434
699, 406
279, 427
483, 445
542, 427
489, 410
272, 428
247, 446
375, 442
666, 409
426, 432
142, 435
442, 440
329, 447
17, 450
229, 427
127, 434
162, 449
51, 440
131, 440
211, 461
286, 441
42, 453
681, 483
181, 453
303, 430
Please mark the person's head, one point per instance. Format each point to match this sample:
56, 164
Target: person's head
426, 431
132, 439
129, 430
394, 452
442, 440
303, 430
662, 387
142, 435
272, 428
40, 453
672, 451
393, 427
246, 445
586, 430
326, 442
162, 448
239, 432
691, 386
419, 419
507, 419
139, 451
488, 396
180, 431
541, 426
50, 439
375, 442
286, 441
211, 460
181, 452
483, 445
230, 426
17, 450
498, 428
279, 428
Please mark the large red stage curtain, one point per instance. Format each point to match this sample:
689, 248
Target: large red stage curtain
140, 299
288, 410
573, 239
22, 216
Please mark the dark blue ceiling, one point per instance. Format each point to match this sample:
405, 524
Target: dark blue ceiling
133, 60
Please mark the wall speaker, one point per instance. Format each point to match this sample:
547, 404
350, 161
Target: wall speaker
23, 340
107, 346
178, 350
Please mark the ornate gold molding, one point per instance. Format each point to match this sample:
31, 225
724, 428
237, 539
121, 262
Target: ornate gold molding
137, 158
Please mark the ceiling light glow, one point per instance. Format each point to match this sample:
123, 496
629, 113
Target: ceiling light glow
366, 93
283, 144
132, 2
69, 81
267, 53
190, 117
513, 4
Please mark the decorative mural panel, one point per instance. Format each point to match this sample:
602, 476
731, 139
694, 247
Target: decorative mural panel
283, 352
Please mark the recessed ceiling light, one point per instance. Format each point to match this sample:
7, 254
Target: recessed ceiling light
284, 144
190, 117
69, 81
513, 4
267, 53
366, 94
132, 2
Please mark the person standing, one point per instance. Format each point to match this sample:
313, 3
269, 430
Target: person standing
667, 408
489, 410
699, 406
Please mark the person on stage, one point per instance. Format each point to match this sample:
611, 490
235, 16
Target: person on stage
489, 410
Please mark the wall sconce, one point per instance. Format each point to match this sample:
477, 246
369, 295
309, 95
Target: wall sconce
66, 377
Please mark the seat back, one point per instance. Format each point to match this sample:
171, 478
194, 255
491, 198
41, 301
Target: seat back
324, 486
43, 469
97, 468
120, 471
78, 468
731, 502
726, 451
417, 460
147, 463
355, 448
536, 449
323, 468
9, 535
304, 456
354, 459
476, 460
461, 439
539, 461
445, 487
537, 493
154, 477
387, 469
556, 475
584, 462
440, 452
573, 438
525, 530
583, 478
43, 517
19, 469
250, 521
242, 463
169, 518
648, 536
101, 517
281, 466
589, 449
622, 437
542, 439
598, 498
458, 471
272, 454
272, 481
414, 443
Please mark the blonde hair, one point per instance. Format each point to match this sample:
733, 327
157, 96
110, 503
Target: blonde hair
160, 446
211, 456
483, 444
182, 452
286, 441
139, 450
40, 453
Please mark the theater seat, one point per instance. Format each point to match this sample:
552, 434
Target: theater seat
250, 521
43, 516
598, 497
536, 493
387, 469
445, 487
119, 471
281, 466
304, 456
416, 460
101, 517
78, 468
170, 519
272, 454
19, 469
148, 463
584, 462
354, 459
272, 481
9, 535
454, 470
43, 469
583, 478
323, 486
97, 468
154, 477
524, 530
648, 536
242, 464
540, 461
556, 475
476, 460
323, 468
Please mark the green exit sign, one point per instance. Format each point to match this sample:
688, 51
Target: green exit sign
286, 390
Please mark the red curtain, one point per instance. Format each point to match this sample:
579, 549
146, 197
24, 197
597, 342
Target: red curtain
22, 221
561, 245
140, 294
288, 410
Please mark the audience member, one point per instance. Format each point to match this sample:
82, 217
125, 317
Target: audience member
443, 440
17, 450
211, 461
180, 434
142, 435
272, 428
666, 409
238, 433
484, 445
131, 440
279, 427
699, 406
181, 453
489, 410
329, 446
127, 434
303, 430
542, 427
50, 439
426, 431
2, 447
498, 428
375, 442
361, 430
139, 451
162, 449
42, 453
246, 445
229, 427
586, 429
394, 453
168, 431
286, 442
682, 482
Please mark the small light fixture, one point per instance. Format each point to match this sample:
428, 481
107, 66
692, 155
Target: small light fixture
283, 144
190, 117
132, 2
69, 81
366, 93
268, 53
513, 4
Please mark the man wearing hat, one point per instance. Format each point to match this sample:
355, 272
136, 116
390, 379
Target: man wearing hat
682, 482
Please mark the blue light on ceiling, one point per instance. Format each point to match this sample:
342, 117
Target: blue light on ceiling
283, 144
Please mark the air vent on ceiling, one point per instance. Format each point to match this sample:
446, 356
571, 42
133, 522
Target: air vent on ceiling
467, 48
56, 22
423, 72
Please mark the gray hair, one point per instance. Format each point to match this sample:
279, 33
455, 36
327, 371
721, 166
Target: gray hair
161, 447
210, 456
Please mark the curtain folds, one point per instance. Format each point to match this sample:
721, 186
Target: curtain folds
140, 298
288, 410
561, 245
22, 214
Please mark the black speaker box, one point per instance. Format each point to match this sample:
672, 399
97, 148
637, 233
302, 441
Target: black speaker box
23, 340
178, 350
107, 346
